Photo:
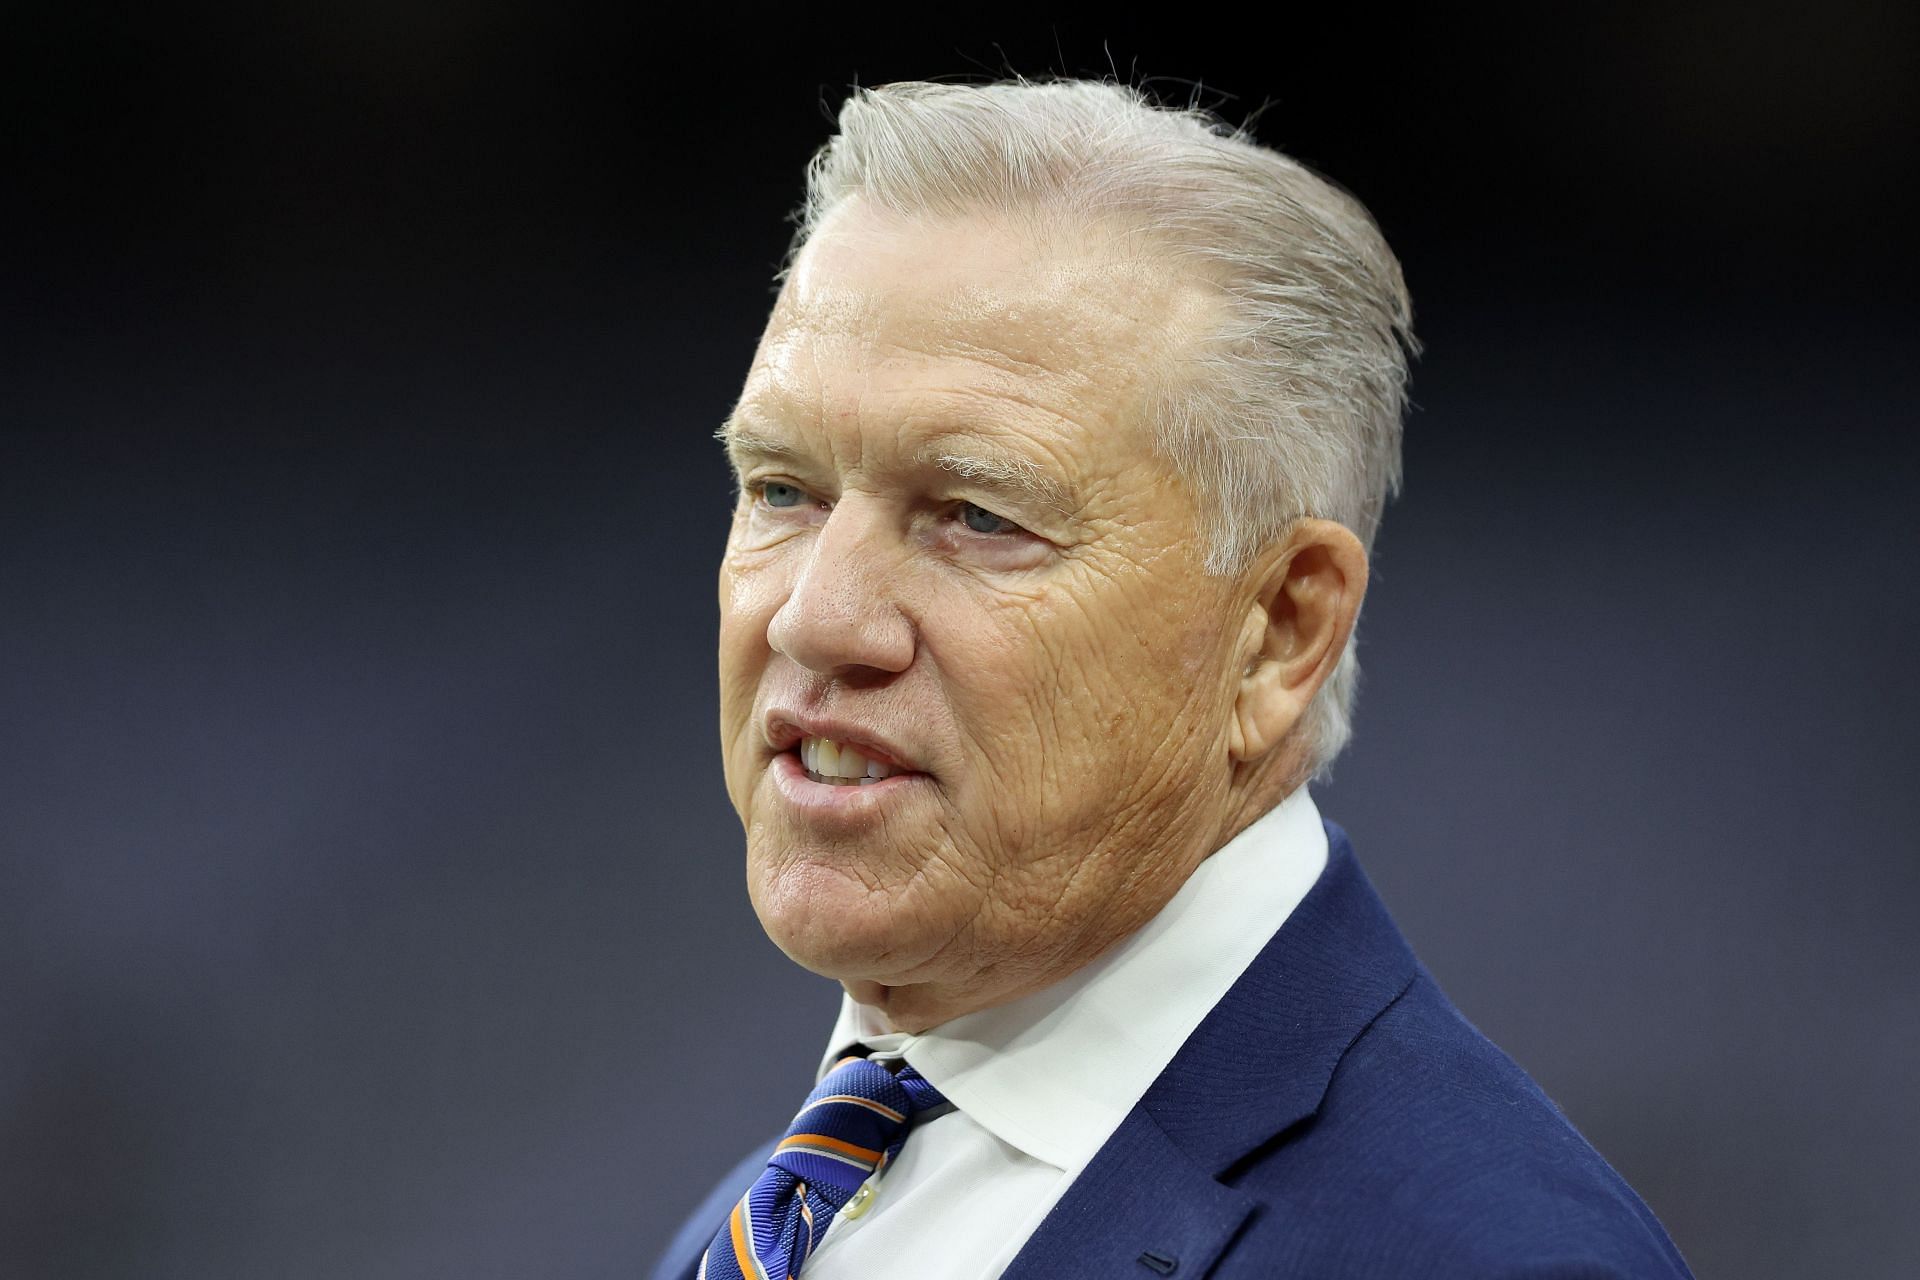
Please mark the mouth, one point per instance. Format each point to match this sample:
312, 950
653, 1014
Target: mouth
841, 764
842, 777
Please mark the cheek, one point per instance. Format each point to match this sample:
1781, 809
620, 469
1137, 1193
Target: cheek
752, 584
1080, 694
1038, 696
750, 594
752, 588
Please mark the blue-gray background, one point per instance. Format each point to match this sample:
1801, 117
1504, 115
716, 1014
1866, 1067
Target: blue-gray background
370, 904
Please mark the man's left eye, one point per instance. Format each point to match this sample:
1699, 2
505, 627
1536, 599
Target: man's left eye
981, 520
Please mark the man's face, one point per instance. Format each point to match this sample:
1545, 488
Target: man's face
956, 554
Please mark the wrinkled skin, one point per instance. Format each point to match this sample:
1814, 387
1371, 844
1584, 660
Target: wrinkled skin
1091, 712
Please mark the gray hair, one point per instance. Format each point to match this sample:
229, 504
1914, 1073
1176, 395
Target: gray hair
1294, 405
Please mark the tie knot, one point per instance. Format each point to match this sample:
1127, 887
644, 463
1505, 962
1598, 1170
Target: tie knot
852, 1123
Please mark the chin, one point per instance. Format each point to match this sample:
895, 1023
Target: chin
828, 920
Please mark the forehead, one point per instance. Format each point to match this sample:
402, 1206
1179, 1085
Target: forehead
885, 316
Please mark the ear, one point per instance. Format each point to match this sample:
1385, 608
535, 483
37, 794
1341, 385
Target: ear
1307, 599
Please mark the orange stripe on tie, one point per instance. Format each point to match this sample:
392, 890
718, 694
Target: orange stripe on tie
831, 1144
742, 1252
879, 1108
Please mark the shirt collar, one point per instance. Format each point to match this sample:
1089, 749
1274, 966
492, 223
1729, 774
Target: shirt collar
1055, 1072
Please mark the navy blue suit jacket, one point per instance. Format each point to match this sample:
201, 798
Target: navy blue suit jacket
1333, 1116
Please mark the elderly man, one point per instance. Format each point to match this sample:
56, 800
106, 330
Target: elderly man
1059, 464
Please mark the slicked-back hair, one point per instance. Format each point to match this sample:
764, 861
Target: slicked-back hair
1293, 407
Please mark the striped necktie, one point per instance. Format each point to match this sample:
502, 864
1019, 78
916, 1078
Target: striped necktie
854, 1123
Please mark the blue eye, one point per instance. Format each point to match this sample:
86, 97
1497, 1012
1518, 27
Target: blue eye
981, 520
781, 495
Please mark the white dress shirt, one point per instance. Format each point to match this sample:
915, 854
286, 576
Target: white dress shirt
1042, 1082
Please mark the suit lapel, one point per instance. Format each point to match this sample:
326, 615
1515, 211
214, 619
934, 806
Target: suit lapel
1261, 1061
1141, 1208
1256, 1066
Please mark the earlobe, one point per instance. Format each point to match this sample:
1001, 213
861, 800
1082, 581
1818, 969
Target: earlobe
1295, 631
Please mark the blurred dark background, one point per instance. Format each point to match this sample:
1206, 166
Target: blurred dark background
370, 903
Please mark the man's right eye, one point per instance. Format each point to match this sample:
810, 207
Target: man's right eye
779, 494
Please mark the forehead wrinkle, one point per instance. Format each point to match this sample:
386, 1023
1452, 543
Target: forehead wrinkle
1067, 321
1057, 330
1073, 318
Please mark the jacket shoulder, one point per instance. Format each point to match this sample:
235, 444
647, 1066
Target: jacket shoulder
1432, 1151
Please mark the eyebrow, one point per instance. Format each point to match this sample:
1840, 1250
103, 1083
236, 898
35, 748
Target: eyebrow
744, 442
1005, 472
990, 468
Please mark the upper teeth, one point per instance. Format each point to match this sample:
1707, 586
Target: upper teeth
826, 758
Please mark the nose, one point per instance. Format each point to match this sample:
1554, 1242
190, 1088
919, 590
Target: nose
842, 612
